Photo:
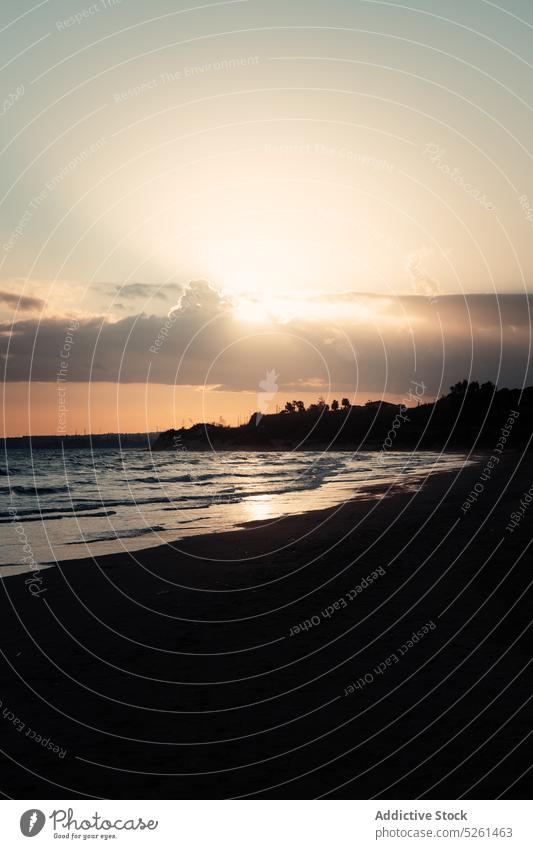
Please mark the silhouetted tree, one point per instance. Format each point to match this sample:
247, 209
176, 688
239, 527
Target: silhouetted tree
300, 406
459, 388
289, 408
334, 405
345, 403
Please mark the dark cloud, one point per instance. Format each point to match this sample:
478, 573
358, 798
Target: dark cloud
148, 291
439, 341
134, 297
22, 302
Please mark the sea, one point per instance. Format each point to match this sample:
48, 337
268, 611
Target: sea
62, 504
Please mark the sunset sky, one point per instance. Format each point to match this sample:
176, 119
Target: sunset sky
340, 192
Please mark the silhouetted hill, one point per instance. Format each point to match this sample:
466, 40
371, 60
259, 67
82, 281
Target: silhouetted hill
470, 416
76, 441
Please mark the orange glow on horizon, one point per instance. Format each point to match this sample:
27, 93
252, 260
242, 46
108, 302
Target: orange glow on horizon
135, 408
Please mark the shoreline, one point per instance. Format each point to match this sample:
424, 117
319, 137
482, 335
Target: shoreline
367, 489
174, 673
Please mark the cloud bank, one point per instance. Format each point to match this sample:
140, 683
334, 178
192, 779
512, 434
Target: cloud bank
351, 341
20, 302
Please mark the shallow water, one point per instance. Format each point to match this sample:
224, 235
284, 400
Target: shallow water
58, 505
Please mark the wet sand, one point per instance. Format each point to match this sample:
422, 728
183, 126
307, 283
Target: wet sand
279, 660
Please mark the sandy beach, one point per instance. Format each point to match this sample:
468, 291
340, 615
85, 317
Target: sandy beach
377, 649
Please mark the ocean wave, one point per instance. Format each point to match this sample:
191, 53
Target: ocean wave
32, 517
179, 479
129, 533
40, 490
177, 498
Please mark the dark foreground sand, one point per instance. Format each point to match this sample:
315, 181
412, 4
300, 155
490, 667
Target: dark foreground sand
172, 674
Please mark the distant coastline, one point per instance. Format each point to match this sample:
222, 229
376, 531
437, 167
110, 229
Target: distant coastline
76, 441
470, 417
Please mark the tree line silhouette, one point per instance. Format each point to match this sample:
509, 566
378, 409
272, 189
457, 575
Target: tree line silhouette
320, 406
469, 416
